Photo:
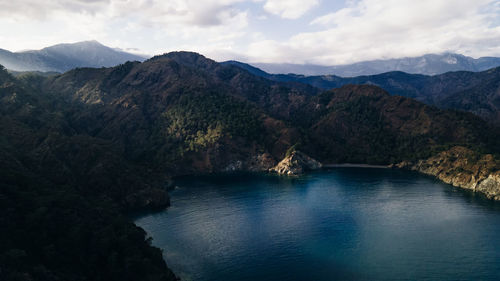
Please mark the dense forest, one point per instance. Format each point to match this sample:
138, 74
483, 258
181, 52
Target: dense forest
80, 150
476, 92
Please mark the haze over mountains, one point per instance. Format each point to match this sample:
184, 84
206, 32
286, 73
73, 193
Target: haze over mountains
467, 90
430, 64
63, 57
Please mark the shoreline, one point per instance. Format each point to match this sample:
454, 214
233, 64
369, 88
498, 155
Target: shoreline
349, 165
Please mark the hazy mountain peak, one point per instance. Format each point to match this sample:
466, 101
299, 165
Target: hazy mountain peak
81, 43
429, 64
66, 56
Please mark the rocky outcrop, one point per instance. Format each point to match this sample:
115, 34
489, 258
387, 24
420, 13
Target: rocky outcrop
463, 168
296, 164
490, 186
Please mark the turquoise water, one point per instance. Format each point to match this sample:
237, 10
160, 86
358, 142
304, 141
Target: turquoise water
339, 224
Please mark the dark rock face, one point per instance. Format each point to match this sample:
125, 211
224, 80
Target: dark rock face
296, 164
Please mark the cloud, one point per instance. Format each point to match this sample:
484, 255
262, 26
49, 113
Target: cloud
173, 24
208, 12
39, 10
225, 29
373, 29
289, 9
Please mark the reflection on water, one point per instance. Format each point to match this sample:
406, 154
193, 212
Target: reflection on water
344, 223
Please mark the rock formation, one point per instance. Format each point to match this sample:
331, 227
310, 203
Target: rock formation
296, 164
462, 167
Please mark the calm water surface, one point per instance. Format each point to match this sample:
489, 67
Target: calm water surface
340, 224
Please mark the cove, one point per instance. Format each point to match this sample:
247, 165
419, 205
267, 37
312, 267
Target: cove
336, 224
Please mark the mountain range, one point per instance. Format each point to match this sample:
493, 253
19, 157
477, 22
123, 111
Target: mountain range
81, 150
476, 92
63, 57
466, 89
430, 64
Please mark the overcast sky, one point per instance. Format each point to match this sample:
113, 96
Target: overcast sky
295, 31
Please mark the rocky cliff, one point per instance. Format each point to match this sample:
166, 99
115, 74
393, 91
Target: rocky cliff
462, 167
296, 164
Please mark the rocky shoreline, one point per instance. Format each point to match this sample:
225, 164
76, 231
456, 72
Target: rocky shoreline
461, 167
350, 165
458, 166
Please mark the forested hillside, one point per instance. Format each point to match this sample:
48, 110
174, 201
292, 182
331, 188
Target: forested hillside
81, 149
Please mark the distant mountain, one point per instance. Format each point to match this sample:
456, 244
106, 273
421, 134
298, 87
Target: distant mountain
79, 149
430, 64
63, 57
476, 92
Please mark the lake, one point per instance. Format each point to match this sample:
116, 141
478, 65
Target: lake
337, 224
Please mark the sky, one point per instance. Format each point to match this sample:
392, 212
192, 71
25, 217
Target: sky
274, 31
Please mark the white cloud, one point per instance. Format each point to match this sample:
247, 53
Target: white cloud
224, 29
372, 29
39, 10
207, 12
289, 9
173, 24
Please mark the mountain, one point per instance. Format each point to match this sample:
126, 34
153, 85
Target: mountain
63, 57
430, 64
476, 92
80, 150
62, 195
